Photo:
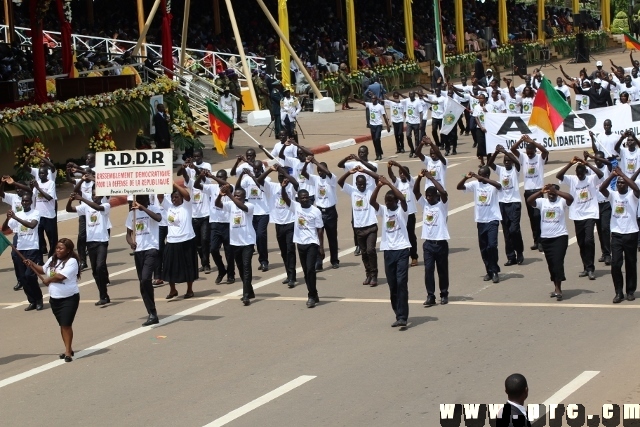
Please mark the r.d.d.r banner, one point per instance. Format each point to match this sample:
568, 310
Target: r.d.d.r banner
506, 129
134, 172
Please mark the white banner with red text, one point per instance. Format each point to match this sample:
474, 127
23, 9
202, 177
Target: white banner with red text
134, 172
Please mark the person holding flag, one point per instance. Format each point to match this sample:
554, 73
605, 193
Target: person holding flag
221, 127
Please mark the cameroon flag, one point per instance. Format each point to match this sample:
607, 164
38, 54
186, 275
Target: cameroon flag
630, 42
549, 109
221, 127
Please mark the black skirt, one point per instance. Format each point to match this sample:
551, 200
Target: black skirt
65, 309
180, 262
555, 248
481, 139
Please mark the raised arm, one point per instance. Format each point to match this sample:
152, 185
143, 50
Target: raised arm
531, 200
374, 195
342, 162
343, 178
566, 76
563, 171
283, 192
396, 192
183, 192
36, 185
321, 167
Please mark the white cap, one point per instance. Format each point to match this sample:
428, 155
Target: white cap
599, 64
597, 81
489, 70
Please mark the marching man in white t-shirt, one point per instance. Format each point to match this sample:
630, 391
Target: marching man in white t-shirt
242, 235
624, 233
307, 227
397, 107
15, 203
97, 220
377, 115
584, 211
487, 216
146, 245
435, 234
404, 183
24, 223
396, 247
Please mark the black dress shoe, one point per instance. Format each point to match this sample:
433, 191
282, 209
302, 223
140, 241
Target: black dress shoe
17, 287
510, 262
220, 277
68, 359
431, 300
83, 266
444, 300
486, 277
540, 248
285, 281
607, 260
39, 306
520, 259
260, 267
402, 323
292, 284
62, 355
618, 299
583, 273
151, 320
357, 252
201, 269
495, 278
334, 266
103, 301
601, 259
231, 280
534, 247
630, 297
311, 302
592, 275
246, 301
207, 269
411, 154
395, 324
265, 266
30, 307
319, 267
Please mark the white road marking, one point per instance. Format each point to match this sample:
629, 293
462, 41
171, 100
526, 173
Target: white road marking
262, 400
571, 388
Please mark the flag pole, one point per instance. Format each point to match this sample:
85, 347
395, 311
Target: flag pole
133, 235
259, 144
24, 259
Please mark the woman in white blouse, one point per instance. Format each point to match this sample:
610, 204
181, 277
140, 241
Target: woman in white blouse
61, 275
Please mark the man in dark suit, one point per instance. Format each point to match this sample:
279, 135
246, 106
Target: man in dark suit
598, 96
436, 79
162, 136
514, 412
478, 68
487, 78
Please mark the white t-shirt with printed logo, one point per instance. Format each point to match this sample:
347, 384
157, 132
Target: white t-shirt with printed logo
325, 190
199, 200
552, 217
97, 222
46, 207
512, 104
51, 175
406, 188
28, 239
68, 287
308, 222
216, 214
413, 110
241, 231
394, 229
624, 212
437, 110
396, 109
527, 105
255, 195
585, 203
279, 212
14, 201
629, 160
434, 220
375, 113
607, 143
147, 230
180, 227
532, 171
297, 166
438, 171
363, 213
605, 173
510, 188
290, 151
485, 196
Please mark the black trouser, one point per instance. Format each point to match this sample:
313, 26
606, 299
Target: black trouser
411, 231
450, 141
488, 242
436, 125
15, 258
239, 109
399, 135
534, 216
367, 241
396, 268
376, 134
423, 128
284, 234
275, 114
330, 227
27, 277
308, 256
82, 238
436, 256
146, 262
220, 238
413, 131
202, 230
98, 258
367, 114
289, 126
624, 245
48, 226
163, 230
513, 244
243, 255
260, 225
467, 116
586, 242
603, 225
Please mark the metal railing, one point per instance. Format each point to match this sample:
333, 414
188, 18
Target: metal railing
196, 60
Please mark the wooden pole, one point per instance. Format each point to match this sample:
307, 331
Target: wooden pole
185, 27
30, 266
289, 48
245, 66
217, 29
143, 51
133, 235
147, 24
